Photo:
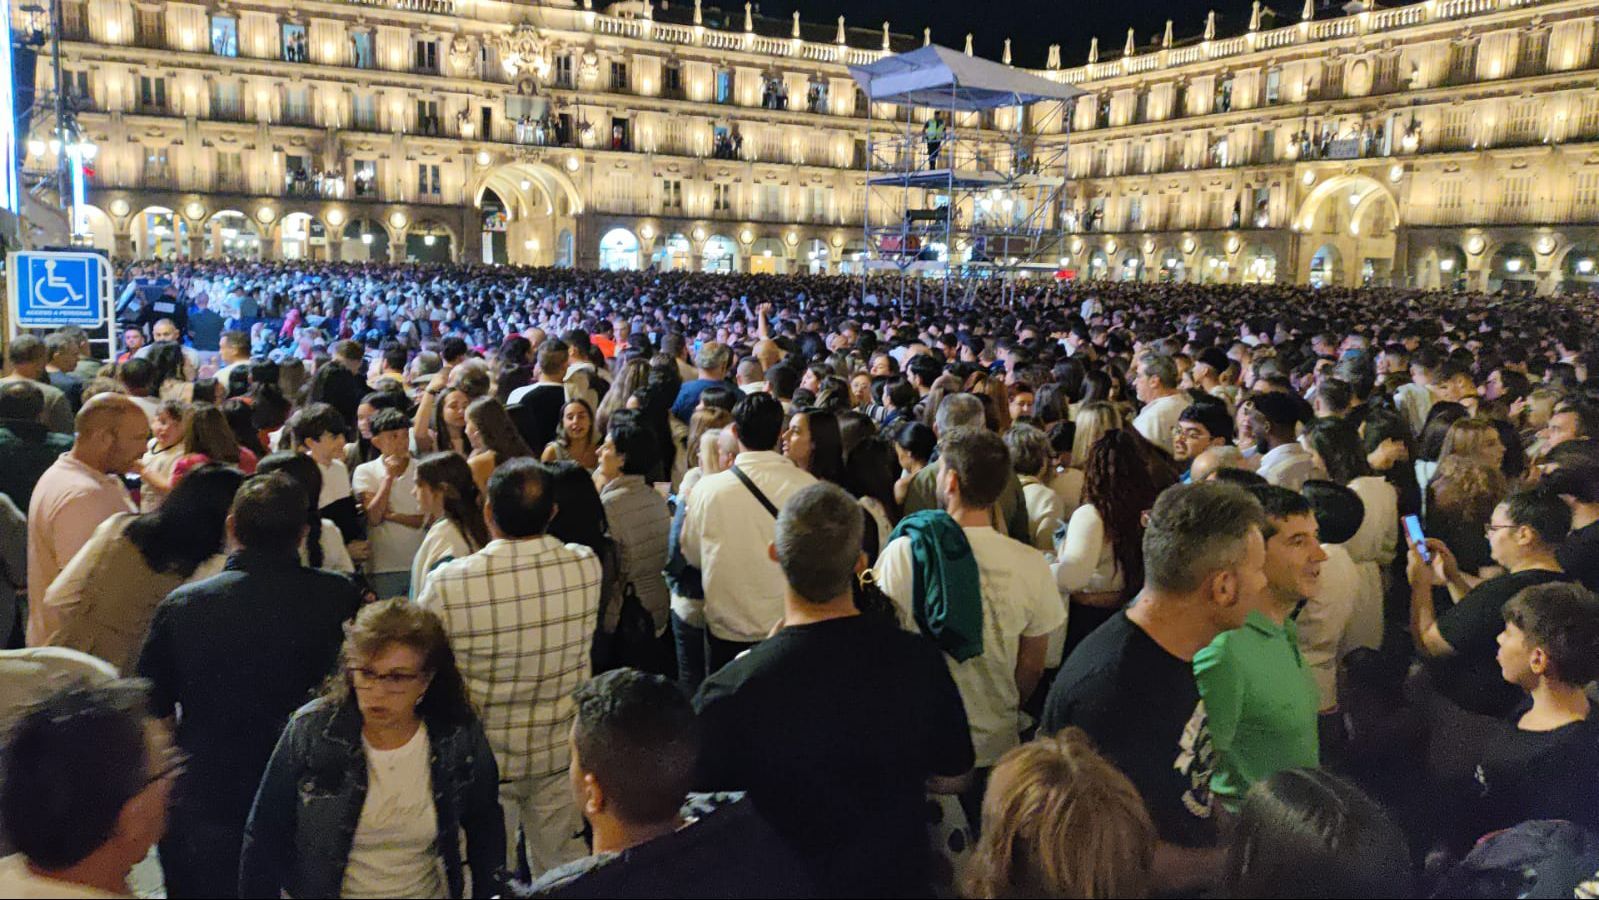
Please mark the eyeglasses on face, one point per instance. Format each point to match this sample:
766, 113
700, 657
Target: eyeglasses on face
391, 682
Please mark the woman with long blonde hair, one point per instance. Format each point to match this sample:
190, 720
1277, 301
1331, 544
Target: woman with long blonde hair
1094, 420
635, 373
1059, 820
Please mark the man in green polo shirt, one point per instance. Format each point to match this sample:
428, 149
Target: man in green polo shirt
1260, 699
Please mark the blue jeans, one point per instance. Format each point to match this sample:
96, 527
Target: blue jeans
690, 641
390, 584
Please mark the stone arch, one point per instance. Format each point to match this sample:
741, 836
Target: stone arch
98, 226
364, 239
1356, 215
1168, 264
621, 250
1326, 266
719, 254
1370, 189
1442, 265
423, 240
159, 232
296, 231
232, 234
1512, 267
672, 252
1258, 265
541, 179
539, 200
1579, 268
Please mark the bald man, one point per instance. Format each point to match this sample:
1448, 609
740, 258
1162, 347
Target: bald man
768, 352
78, 492
1211, 459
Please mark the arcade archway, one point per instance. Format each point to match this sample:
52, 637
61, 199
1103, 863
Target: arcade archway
525, 207
619, 251
1355, 216
720, 254
230, 234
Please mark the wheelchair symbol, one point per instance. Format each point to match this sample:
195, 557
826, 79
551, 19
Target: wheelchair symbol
66, 295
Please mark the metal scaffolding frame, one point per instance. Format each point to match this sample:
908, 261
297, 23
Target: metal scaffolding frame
973, 201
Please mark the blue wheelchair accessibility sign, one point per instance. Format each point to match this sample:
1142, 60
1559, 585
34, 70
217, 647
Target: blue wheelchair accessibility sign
50, 289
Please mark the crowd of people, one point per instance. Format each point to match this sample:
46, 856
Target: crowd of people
376, 580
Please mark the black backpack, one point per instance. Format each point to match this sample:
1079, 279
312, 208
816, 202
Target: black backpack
1544, 858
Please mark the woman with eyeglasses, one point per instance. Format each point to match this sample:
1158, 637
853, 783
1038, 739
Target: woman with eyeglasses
371, 784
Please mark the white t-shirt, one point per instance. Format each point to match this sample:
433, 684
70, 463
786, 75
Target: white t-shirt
442, 543
335, 483
394, 852
17, 880
335, 556
1324, 623
1019, 599
393, 545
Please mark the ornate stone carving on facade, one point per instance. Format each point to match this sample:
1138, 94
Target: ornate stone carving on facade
462, 56
588, 66
523, 52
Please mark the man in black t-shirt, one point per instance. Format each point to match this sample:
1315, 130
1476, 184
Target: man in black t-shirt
837, 723
1460, 642
1572, 471
1130, 684
536, 408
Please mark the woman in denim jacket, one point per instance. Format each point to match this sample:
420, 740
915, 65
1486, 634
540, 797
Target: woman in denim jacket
371, 784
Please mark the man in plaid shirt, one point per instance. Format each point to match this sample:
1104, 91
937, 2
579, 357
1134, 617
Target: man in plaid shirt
521, 615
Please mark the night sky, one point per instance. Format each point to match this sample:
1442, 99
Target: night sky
1032, 25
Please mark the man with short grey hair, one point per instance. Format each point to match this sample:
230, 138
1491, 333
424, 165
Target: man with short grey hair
28, 357
1130, 684
855, 681
1155, 382
712, 360
966, 411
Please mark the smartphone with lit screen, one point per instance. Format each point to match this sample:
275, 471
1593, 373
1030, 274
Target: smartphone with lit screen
1413, 531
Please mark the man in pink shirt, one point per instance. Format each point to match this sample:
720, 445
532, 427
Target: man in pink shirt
78, 492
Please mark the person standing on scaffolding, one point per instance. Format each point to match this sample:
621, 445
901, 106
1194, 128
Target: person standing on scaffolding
933, 134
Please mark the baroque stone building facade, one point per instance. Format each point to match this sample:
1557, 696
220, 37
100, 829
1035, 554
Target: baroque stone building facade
1440, 143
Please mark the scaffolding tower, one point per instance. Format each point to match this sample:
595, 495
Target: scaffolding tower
968, 187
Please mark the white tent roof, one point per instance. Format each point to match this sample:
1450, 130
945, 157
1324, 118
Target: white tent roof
942, 78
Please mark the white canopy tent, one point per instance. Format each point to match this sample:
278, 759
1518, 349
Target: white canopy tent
949, 79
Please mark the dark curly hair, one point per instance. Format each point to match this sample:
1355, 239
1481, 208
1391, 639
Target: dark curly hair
1118, 484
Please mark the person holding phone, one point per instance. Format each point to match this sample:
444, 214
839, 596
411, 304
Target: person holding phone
1459, 643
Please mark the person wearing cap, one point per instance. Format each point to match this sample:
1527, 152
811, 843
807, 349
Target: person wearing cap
1206, 374
1271, 419
386, 487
